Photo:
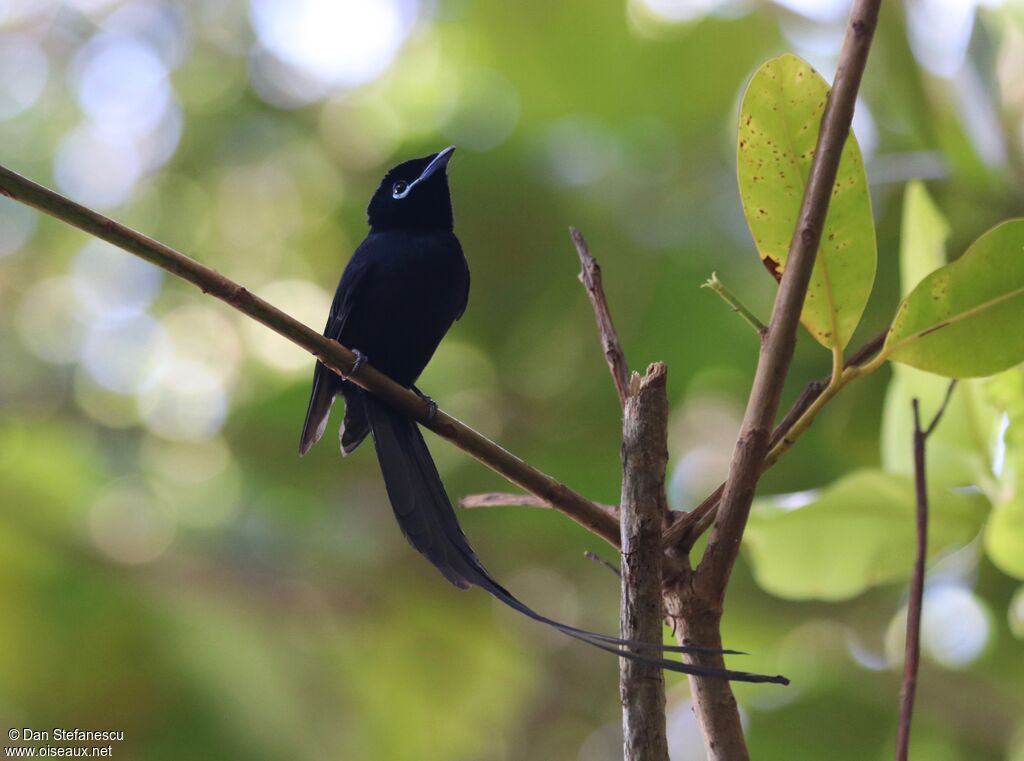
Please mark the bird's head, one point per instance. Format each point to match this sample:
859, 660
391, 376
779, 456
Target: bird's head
414, 196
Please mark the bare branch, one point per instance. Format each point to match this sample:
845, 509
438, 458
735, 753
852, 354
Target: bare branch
501, 499
912, 654
714, 702
777, 348
644, 458
601, 561
590, 276
331, 353
514, 499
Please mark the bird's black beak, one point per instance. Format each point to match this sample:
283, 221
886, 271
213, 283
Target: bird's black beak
440, 161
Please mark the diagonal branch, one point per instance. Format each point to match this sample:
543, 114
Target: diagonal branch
512, 499
500, 499
590, 276
335, 356
780, 339
702, 603
912, 654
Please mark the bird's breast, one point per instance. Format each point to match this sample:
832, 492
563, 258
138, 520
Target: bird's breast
414, 291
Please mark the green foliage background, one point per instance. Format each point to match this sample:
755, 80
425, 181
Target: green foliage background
214, 596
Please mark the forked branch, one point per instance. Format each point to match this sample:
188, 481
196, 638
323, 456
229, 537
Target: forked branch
912, 652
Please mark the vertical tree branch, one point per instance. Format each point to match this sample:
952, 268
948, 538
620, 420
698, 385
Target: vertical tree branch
780, 339
714, 705
643, 503
703, 605
912, 653
590, 276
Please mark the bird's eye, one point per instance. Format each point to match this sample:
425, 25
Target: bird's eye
399, 189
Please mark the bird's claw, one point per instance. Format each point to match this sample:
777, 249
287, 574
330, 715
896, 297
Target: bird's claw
358, 364
431, 404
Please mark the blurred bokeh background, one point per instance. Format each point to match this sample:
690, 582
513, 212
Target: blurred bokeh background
169, 567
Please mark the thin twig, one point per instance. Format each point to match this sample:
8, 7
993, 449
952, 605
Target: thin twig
590, 276
335, 356
942, 409
715, 704
601, 561
716, 285
912, 654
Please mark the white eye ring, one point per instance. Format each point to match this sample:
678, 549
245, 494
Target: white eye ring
401, 189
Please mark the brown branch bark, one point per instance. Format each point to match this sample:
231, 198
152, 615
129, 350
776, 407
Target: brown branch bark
590, 276
331, 353
912, 654
643, 504
777, 349
714, 703
512, 499
696, 621
501, 499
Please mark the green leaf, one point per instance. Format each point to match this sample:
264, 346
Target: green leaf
1005, 392
1004, 537
923, 235
964, 319
1004, 534
958, 451
779, 124
857, 533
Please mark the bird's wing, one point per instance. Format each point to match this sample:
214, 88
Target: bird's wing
326, 383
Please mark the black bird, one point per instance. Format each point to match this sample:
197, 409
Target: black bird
404, 286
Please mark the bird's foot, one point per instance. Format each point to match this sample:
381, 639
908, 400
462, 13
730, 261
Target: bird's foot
358, 364
431, 404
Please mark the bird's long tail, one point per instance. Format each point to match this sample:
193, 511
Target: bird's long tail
428, 521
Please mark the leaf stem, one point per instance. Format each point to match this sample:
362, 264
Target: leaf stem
838, 383
716, 285
837, 363
800, 427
